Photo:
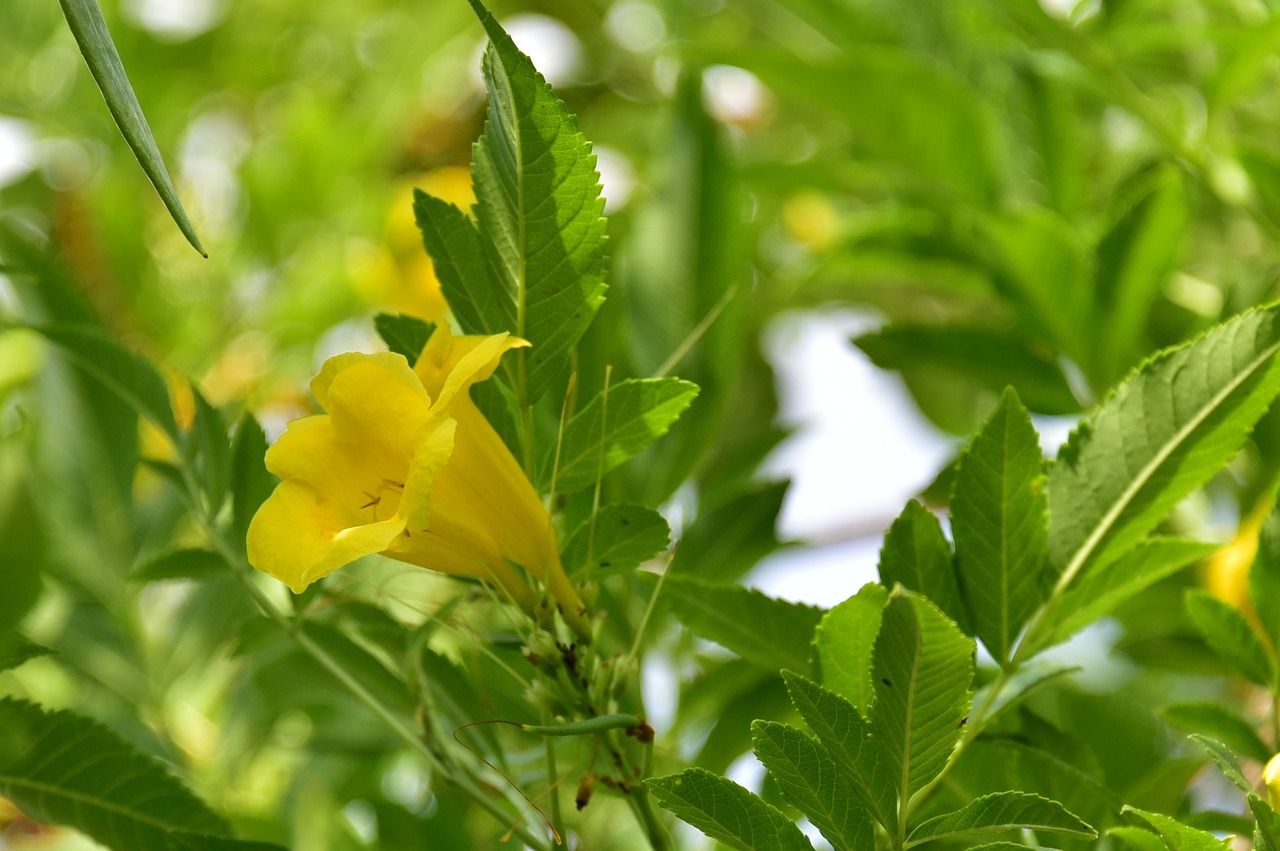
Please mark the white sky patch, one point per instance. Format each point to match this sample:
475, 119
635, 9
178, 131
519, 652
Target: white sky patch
175, 20
554, 49
635, 25
734, 95
17, 150
617, 177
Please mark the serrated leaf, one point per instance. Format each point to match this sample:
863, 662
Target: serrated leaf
922, 670
1266, 825
1226, 629
480, 303
844, 640
404, 334
917, 556
1003, 811
998, 520
14, 651
726, 812
84, 17
184, 563
538, 206
620, 538
1167, 429
810, 781
772, 633
847, 737
61, 768
1178, 836
213, 451
251, 484
1217, 722
614, 427
127, 374
1098, 592
1225, 760
1264, 579
1138, 838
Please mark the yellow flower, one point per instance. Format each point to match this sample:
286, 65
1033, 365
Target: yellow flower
404, 464
1271, 777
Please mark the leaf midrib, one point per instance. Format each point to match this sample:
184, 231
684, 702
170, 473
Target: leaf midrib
44, 788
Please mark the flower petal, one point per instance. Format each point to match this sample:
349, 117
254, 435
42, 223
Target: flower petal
297, 537
449, 365
377, 403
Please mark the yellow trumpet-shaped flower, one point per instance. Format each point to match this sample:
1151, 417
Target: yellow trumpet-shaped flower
404, 464
1271, 777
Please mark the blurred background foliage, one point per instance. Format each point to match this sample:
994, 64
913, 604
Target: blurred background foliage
1019, 193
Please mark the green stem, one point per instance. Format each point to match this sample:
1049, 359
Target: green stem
553, 780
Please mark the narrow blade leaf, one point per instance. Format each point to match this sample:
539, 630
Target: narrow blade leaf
1225, 759
998, 518
726, 812
84, 17
1003, 811
1178, 836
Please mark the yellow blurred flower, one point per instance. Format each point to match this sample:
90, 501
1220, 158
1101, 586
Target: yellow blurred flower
398, 274
1227, 572
1271, 777
404, 464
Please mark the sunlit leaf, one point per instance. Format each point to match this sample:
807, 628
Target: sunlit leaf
844, 641
725, 811
1003, 811
618, 539
99, 52
1178, 836
916, 555
615, 426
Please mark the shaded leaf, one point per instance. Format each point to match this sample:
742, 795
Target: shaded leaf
1219, 722
922, 670
404, 334
845, 638
774, 634
1003, 811
728, 539
917, 556
212, 451
251, 484
1264, 579
998, 519
620, 538
24, 543
84, 17
14, 651
614, 427
185, 563
64, 769
810, 781
1266, 825
1226, 629
539, 208
725, 811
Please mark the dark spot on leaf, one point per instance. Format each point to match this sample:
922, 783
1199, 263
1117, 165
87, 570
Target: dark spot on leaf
885, 680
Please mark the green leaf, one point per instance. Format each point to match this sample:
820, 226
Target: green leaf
24, 543
1226, 629
619, 538
1162, 433
538, 206
1218, 722
998, 519
1264, 579
1225, 759
1098, 592
404, 334
810, 781
1138, 838
726, 812
212, 451
987, 357
251, 484
614, 427
1266, 830
61, 768
845, 638
772, 633
922, 670
1133, 260
130, 376
917, 556
847, 738
1178, 836
1003, 811
84, 17
14, 651
728, 539
185, 563
1021, 685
